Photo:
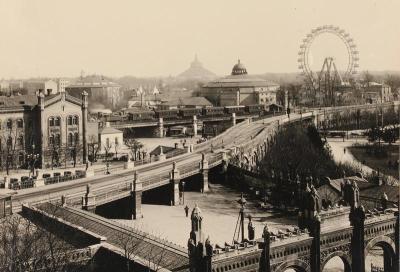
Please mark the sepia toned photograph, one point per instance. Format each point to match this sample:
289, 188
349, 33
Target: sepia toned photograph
199, 136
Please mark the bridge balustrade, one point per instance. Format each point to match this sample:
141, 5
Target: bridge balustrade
152, 181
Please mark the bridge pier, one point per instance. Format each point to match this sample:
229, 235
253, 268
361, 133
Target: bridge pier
89, 200
136, 198
175, 178
204, 173
225, 164
159, 132
233, 119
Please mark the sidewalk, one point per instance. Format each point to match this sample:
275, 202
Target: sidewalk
338, 146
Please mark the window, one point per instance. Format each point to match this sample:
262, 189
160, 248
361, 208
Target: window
9, 141
21, 140
76, 138
9, 124
116, 140
70, 139
57, 121
51, 122
20, 123
57, 139
75, 120
51, 140
107, 142
69, 120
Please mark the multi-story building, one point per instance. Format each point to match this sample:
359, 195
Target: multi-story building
33, 87
62, 84
240, 89
377, 93
99, 90
44, 130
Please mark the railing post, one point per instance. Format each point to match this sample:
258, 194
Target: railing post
175, 178
89, 200
204, 173
136, 197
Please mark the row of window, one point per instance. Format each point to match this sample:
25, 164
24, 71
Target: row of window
9, 123
72, 139
11, 141
56, 121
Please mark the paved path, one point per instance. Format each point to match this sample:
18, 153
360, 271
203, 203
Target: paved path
338, 147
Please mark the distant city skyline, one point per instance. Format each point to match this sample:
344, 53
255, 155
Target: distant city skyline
161, 38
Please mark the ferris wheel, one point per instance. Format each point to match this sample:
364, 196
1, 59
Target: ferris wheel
303, 55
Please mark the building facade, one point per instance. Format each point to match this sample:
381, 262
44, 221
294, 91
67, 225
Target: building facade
42, 131
240, 89
99, 90
48, 87
377, 93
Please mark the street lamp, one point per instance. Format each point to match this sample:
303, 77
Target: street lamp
242, 201
183, 192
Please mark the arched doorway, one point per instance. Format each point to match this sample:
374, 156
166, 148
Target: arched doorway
380, 254
337, 262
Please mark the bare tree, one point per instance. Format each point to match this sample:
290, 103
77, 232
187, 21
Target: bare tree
134, 146
131, 246
25, 246
156, 254
107, 147
366, 79
93, 147
9, 146
394, 82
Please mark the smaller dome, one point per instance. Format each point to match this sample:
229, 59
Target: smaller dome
239, 69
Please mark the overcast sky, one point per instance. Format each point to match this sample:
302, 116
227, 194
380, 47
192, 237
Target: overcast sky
160, 38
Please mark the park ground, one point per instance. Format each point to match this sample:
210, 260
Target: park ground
352, 151
381, 163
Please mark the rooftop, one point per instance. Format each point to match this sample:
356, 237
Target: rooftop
239, 78
188, 101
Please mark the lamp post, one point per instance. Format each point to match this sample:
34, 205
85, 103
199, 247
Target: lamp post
242, 201
183, 192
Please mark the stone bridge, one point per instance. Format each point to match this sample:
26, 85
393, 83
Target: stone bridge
348, 232
244, 144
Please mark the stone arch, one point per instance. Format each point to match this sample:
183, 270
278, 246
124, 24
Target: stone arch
383, 241
297, 265
388, 246
346, 259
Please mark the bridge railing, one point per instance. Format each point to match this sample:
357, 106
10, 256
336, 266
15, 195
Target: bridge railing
153, 179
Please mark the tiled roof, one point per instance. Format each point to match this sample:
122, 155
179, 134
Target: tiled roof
109, 130
18, 101
361, 183
376, 192
157, 150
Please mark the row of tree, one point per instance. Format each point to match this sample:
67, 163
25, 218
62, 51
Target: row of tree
299, 156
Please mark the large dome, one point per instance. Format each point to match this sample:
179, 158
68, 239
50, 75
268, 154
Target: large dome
239, 69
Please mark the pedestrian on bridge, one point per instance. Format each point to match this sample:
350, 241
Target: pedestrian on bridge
187, 211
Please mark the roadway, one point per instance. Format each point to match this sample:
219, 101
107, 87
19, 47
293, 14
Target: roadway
235, 136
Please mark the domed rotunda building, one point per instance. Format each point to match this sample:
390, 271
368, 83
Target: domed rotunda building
240, 88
